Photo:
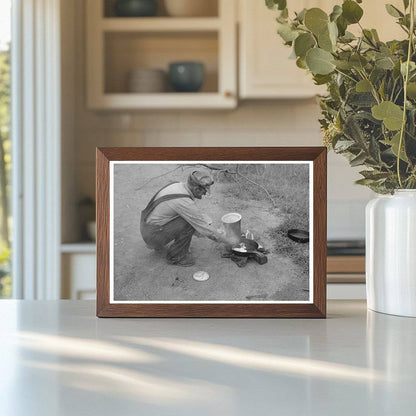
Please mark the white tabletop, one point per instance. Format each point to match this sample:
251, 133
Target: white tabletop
57, 358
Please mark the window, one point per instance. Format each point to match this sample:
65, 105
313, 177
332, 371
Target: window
5, 144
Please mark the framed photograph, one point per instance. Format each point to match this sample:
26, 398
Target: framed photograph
211, 232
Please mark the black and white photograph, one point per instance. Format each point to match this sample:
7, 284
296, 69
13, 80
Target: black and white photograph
196, 232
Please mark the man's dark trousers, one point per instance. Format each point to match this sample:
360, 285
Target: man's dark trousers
178, 230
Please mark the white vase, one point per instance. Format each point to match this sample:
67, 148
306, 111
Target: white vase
391, 253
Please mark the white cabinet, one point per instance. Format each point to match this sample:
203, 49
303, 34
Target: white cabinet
118, 45
376, 17
78, 271
265, 70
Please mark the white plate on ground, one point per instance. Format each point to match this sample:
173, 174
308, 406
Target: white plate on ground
201, 276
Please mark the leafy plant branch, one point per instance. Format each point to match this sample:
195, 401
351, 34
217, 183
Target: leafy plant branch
371, 87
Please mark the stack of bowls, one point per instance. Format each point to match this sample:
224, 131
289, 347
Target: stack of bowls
147, 80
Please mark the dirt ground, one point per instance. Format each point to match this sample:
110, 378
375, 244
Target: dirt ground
141, 274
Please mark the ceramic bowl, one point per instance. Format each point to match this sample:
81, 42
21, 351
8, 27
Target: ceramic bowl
135, 8
147, 80
186, 76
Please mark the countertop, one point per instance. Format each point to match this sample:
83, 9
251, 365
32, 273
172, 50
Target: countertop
57, 358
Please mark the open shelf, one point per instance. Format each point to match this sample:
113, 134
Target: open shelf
127, 51
160, 24
166, 101
116, 46
210, 9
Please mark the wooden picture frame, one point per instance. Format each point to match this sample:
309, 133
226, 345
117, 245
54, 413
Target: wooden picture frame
109, 158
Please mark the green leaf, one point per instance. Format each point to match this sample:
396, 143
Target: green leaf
300, 17
303, 43
396, 71
363, 86
358, 160
382, 88
343, 145
358, 61
334, 91
377, 74
374, 150
286, 32
341, 64
276, 4
283, 17
375, 35
390, 113
301, 63
354, 131
394, 143
412, 67
336, 12
364, 181
368, 36
411, 90
325, 43
347, 37
321, 79
374, 175
405, 21
385, 63
316, 20
386, 50
361, 99
342, 25
406, 4
351, 11
319, 61
412, 124
393, 11
333, 32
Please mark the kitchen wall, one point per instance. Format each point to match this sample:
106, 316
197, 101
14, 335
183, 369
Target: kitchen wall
253, 123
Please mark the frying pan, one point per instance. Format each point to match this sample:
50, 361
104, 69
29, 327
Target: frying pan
251, 251
300, 236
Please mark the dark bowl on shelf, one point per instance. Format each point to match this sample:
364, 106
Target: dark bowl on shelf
186, 76
135, 8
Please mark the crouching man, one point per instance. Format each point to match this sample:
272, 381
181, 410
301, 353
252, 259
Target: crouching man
172, 216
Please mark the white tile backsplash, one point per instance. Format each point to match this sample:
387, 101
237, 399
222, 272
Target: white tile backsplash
190, 138
346, 219
167, 120
341, 180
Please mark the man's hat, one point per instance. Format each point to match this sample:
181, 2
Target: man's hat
201, 177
